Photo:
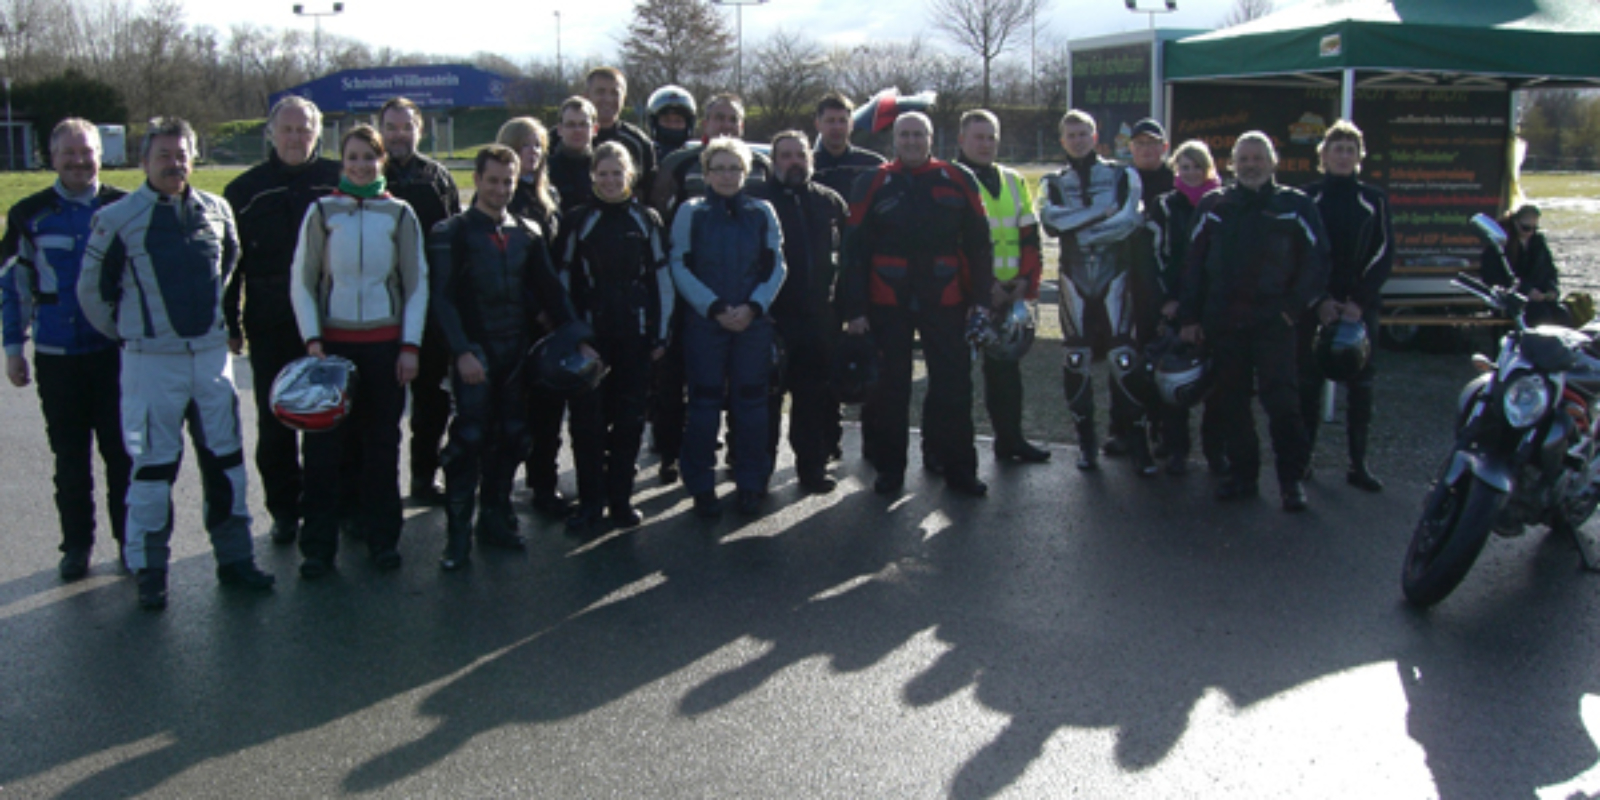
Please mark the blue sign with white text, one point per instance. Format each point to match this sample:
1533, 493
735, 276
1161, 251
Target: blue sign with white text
432, 86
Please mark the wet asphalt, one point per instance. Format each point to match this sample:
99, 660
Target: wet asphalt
1084, 635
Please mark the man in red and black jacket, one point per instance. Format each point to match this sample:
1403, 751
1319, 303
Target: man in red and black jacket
918, 258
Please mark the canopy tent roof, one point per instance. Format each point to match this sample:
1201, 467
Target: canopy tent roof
1525, 41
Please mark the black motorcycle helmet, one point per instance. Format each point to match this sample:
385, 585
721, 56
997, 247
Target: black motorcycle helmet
1183, 375
855, 368
560, 366
1138, 375
1342, 349
314, 394
670, 98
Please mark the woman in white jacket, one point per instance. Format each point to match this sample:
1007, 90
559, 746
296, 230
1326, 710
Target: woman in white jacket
360, 290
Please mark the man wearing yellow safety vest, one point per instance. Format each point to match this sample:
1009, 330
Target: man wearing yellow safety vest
1017, 268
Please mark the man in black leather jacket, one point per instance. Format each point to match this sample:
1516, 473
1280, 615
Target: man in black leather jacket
269, 204
1257, 261
1360, 238
490, 276
812, 217
427, 187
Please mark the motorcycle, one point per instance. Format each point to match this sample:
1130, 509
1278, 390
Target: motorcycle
1527, 448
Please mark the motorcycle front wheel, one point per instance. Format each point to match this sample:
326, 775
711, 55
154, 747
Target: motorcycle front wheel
1456, 518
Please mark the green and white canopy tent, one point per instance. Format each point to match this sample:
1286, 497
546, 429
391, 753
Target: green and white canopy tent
1429, 82
1506, 43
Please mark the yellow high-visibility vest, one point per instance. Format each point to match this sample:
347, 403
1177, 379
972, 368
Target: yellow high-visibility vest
1009, 213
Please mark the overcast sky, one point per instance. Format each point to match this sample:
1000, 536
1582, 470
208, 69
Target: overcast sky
523, 29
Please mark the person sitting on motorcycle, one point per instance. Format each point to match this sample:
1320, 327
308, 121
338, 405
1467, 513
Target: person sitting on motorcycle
1527, 267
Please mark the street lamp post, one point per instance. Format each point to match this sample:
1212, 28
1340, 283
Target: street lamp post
559, 80
11, 143
1133, 5
738, 14
316, 16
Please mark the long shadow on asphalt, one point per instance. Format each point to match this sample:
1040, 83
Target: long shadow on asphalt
1062, 601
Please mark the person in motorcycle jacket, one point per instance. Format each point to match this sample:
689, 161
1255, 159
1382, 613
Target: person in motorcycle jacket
570, 162
1196, 176
537, 201
727, 265
607, 89
1093, 207
838, 163
918, 261
1532, 269
269, 202
426, 186
613, 261
77, 367
490, 275
813, 218
670, 113
1355, 215
682, 178
1257, 261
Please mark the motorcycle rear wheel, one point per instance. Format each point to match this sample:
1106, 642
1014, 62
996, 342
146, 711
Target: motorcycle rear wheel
1455, 523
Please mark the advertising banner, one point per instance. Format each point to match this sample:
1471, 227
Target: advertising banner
1113, 85
434, 86
1441, 156
1293, 117
1439, 153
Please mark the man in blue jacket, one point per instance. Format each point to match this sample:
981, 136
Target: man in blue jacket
77, 366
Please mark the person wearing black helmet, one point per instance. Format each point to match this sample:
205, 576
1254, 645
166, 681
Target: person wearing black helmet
1257, 261
670, 112
485, 265
1356, 216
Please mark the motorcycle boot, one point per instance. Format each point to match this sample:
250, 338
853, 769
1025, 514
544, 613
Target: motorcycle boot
492, 530
458, 544
1088, 452
1138, 441
1360, 475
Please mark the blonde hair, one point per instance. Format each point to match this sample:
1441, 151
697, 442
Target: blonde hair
725, 144
1196, 151
515, 134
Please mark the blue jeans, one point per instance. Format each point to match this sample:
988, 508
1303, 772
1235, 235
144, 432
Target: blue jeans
722, 364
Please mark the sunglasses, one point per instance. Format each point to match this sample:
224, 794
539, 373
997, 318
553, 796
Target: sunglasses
1526, 228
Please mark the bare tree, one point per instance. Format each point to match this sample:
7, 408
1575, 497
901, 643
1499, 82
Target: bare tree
984, 28
1245, 10
686, 42
789, 74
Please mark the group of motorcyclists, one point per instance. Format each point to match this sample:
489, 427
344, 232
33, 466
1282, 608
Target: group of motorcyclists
693, 278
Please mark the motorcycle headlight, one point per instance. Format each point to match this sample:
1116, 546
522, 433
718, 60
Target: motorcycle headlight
1526, 400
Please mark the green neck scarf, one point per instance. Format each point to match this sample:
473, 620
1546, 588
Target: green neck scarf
367, 192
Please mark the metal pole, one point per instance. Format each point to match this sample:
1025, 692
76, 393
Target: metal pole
316, 36
559, 79
738, 74
11, 144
